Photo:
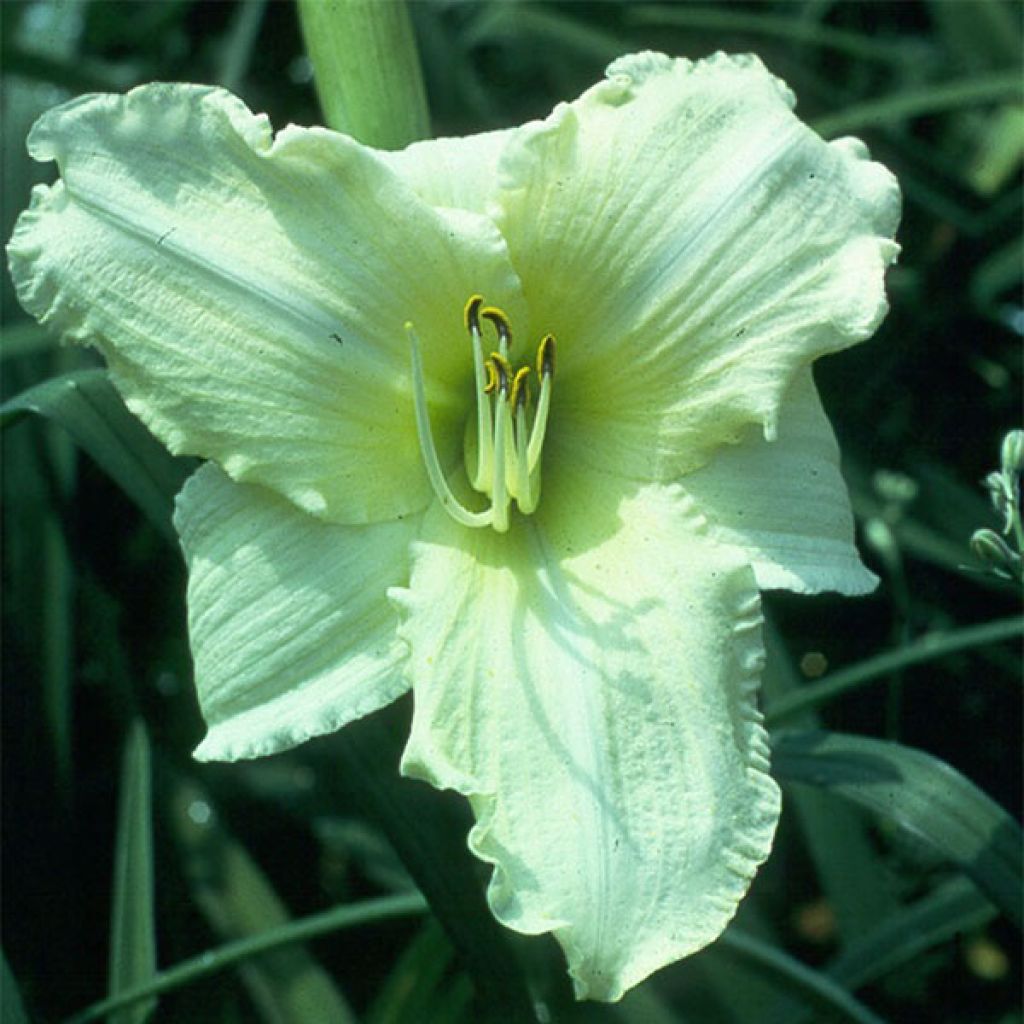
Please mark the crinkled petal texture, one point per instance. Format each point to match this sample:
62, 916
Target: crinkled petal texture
784, 502
291, 630
249, 293
691, 244
588, 681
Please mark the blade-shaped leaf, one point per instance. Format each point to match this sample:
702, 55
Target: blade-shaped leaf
429, 838
12, 1009
954, 908
920, 793
791, 978
132, 926
287, 985
85, 404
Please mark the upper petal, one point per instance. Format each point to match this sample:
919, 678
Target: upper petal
460, 172
784, 502
589, 681
291, 631
691, 244
250, 293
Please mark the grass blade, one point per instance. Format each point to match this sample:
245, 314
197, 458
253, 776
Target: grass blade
791, 978
927, 648
86, 405
955, 907
915, 102
923, 795
427, 831
287, 986
133, 927
232, 953
12, 1009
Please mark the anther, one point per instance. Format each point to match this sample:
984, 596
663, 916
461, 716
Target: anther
520, 388
501, 325
502, 371
546, 356
471, 313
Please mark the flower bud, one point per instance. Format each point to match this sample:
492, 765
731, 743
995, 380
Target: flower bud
1012, 452
991, 549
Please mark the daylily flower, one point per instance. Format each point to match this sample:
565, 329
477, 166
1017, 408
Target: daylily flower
521, 421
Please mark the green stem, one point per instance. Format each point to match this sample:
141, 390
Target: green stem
367, 70
1005, 86
926, 649
304, 928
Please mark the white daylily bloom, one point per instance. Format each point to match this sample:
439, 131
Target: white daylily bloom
520, 420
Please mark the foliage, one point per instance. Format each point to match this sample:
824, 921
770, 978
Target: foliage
298, 872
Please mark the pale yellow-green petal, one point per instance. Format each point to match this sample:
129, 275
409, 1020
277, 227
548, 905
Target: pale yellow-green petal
784, 502
291, 631
589, 681
691, 244
460, 172
250, 292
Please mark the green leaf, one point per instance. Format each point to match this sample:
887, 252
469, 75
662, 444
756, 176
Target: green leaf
12, 1009
921, 794
901, 106
791, 978
427, 830
88, 407
367, 70
852, 878
132, 926
287, 986
927, 648
954, 908
188, 971
416, 981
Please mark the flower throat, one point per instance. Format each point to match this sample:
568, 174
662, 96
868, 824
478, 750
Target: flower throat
503, 452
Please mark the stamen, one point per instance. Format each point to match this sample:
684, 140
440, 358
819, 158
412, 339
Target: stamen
520, 388
501, 325
502, 422
471, 313
546, 372
526, 499
492, 377
484, 427
452, 505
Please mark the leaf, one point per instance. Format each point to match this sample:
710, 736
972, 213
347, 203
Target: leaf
926, 648
921, 794
792, 978
88, 407
12, 1009
132, 926
427, 830
954, 908
287, 985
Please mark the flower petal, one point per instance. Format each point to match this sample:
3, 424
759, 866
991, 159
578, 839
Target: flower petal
691, 244
460, 172
589, 682
292, 634
250, 293
784, 502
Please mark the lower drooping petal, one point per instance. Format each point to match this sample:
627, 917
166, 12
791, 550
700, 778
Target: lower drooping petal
249, 292
691, 244
292, 634
588, 680
784, 502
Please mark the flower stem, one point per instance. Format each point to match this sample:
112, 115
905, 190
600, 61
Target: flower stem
367, 70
